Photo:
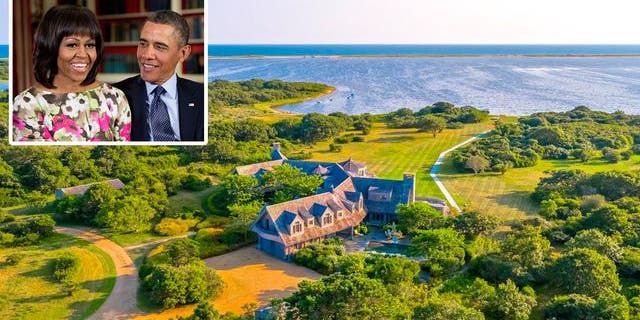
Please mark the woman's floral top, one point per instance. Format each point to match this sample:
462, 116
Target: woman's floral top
98, 114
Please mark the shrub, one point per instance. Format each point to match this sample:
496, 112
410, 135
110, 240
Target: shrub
208, 234
194, 183
174, 227
6, 239
625, 155
322, 256
636, 149
13, 259
6, 217
455, 125
357, 139
335, 147
212, 249
302, 155
630, 263
361, 229
170, 286
65, 266
214, 222
341, 140
610, 155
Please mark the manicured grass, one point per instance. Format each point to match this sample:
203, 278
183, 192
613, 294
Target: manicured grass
508, 196
28, 290
130, 239
388, 153
188, 199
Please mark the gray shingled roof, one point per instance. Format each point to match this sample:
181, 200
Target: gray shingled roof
400, 193
81, 189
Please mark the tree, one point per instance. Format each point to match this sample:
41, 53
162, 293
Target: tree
244, 215
527, 248
392, 270
609, 219
473, 223
318, 127
288, 183
597, 241
96, 196
130, 214
570, 307
443, 249
170, 286
610, 155
477, 164
432, 124
339, 296
239, 189
509, 303
446, 309
630, 262
419, 216
585, 271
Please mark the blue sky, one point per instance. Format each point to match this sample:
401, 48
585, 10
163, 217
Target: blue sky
424, 21
4, 22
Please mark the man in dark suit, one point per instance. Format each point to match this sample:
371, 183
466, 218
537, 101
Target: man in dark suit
164, 106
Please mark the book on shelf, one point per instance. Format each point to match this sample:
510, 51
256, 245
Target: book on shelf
192, 4
121, 31
196, 24
120, 63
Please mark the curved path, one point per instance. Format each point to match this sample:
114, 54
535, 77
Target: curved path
440, 160
122, 302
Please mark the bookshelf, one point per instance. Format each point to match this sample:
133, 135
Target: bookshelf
121, 22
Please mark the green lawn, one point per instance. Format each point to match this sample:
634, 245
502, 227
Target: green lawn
507, 196
188, 199
28, 290
388, 153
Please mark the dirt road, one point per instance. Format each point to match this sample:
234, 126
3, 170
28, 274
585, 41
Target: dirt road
121, 303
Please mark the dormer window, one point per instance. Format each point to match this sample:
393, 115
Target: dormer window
310, 222
296, 228
327, 220
339, 214
265, 224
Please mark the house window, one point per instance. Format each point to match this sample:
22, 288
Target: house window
326, 220
265, 224
310, 222
297, 228
339, 214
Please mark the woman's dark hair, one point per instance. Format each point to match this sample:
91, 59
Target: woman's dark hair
57, 23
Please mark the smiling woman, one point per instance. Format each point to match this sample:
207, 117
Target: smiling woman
67, 104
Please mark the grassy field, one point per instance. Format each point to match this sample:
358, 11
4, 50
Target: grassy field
507, 196
265, 111
389, 153
28, 290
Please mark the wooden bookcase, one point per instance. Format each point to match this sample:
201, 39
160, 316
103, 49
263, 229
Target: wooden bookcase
121, 22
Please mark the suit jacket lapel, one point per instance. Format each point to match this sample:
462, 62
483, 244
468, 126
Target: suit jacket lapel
187, 113
140, 110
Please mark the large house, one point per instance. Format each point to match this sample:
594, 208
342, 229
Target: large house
348, 196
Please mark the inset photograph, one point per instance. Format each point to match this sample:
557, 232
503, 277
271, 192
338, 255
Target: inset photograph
108, 72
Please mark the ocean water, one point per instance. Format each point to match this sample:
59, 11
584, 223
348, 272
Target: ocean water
4, 51
511, 84
4, 86
419, 49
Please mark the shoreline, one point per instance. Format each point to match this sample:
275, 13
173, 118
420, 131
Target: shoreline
275, 107
426, 56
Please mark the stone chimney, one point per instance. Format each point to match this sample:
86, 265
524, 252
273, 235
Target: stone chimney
409, 180
275, 152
